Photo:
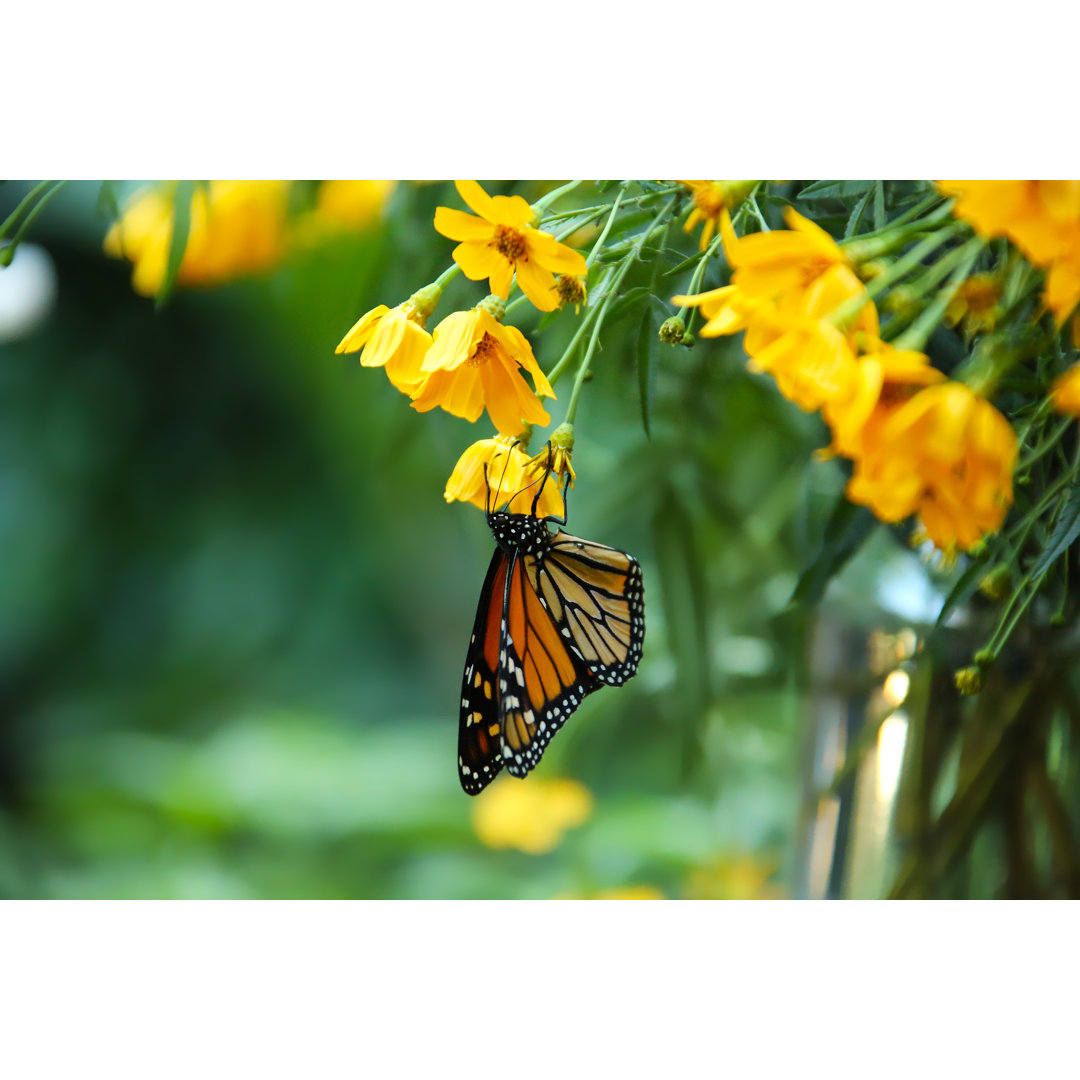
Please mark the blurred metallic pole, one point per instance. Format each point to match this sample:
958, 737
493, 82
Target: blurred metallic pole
838, 699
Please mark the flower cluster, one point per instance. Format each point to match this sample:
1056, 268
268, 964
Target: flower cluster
236, 227
473, 361
920, 444
1041, 217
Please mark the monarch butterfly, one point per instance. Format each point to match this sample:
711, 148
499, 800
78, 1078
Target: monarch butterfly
558, 618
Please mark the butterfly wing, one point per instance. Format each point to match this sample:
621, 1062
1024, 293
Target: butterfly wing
596, 596
479, 743
575, 621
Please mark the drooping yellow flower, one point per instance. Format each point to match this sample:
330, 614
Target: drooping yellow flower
946, 454
727, 310
236, 228
393, 339
975, 303
555, 457
532, 816
812, 359
885, 378
503, 241
1065, 393
712, 198
474, 363
491, 471
1062, 292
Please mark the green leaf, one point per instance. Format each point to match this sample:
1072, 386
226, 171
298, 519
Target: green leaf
847, 529
181, 205
967, 583
836, 189
1065, 532
648, 338
857, 215
879, 204
108, 205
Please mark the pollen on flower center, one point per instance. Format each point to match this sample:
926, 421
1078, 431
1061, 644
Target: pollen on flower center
509, 243
483, 352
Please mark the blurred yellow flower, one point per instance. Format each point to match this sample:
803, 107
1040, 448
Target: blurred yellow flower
1042, 217
625, 892
946, 454
712, 198
736, 877
885, 378
352, 203
1065, 392
766, 265
975, 303
530, 816
503, 242
785, 286
506, 476
556, 458
236, 228
393, 339
474, 363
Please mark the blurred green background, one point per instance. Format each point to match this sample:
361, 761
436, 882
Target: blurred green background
234, 605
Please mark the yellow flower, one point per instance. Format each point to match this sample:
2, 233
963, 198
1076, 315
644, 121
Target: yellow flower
768, 264
352, 203
571, 290
624, 892
1062, 292
975, 303
236, 228
555, 458
884, 379
727, 309
712, 198
474, 363
494, 470
1065, 392
393, 339
948, 455
1042, 217
812, 360
530, 816
734, 877
503, 241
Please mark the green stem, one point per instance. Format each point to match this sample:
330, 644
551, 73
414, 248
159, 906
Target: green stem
26, 201
543, 203
568, 353
660, 221
894, 235
901, 268
594, 254
917, 335
8, 253
446, 276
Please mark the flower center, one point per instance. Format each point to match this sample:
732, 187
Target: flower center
710, 199
483, 351
510, 243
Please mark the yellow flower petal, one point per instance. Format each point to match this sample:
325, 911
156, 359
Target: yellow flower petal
457, 225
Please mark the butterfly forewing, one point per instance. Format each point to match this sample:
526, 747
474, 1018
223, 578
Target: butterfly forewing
479, 741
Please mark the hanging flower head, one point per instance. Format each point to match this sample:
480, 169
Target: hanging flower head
713, 198
475, 363
395, 339
495, 470
503, 241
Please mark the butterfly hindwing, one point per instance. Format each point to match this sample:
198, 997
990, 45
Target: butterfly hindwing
479, 743
595, 594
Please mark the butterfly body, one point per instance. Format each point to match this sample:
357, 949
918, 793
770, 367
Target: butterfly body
558, 618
